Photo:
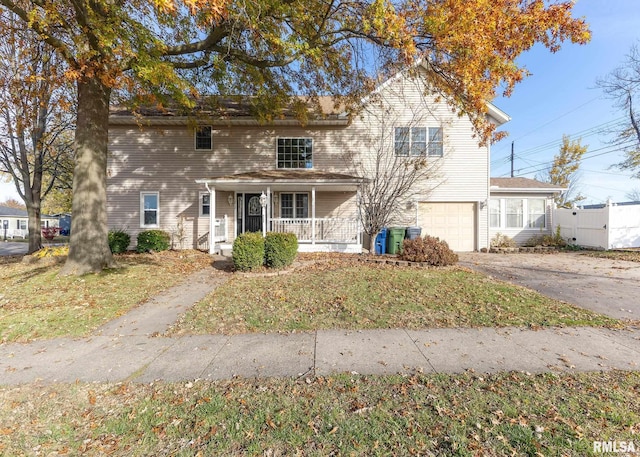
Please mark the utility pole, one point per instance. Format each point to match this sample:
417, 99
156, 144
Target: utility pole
512, 143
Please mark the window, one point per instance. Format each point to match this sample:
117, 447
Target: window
295, 153
413, 141
203, 138
149, 209
536, 213
514, 213
294, 206
21, 224
436, 144
205, 203
495, 219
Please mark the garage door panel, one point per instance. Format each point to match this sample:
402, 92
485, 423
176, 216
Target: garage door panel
454, 222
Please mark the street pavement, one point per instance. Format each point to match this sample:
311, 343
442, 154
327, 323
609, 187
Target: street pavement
133, 348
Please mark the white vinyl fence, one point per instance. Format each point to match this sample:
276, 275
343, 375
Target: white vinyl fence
611, 227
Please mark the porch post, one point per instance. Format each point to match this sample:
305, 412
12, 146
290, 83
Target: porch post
313, 215
212, 218
359, 219
268, 228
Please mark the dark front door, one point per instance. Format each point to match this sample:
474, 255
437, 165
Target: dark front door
252, 213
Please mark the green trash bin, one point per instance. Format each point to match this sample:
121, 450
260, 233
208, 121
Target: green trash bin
395, 237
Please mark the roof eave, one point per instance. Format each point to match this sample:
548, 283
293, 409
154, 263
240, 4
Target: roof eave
245, 121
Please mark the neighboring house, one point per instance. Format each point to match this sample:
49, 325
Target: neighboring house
238, 175
521, 208
14, 223
64, 222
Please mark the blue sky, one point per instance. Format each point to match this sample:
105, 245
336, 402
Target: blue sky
561, 97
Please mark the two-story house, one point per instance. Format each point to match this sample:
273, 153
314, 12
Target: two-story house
234, 174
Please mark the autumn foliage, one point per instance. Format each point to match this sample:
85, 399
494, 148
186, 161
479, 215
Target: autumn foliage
140, 52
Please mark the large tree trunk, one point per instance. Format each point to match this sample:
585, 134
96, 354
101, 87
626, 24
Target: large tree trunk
88, 247
35, 233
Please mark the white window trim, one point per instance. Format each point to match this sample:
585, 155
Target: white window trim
295, 216
142, 195
313, 151
195, 138
201, 204
428, 141
525, 214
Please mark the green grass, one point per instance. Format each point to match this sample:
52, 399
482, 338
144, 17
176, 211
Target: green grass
355, 295
36, 303
462, 415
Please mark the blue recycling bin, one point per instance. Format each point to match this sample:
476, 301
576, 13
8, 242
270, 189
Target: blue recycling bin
381, 242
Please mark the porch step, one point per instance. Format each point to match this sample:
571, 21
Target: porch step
224, 248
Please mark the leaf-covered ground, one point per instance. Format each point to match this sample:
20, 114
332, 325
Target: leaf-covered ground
629, 256
464, 415
37, 303
344, 293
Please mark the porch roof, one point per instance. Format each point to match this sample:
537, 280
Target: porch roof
290, 179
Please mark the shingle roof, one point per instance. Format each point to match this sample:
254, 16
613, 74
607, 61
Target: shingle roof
15, 212
289, 175
523, 183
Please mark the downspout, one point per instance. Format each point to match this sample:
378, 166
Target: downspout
212, 218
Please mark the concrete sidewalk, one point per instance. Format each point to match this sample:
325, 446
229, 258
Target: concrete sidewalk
129, 349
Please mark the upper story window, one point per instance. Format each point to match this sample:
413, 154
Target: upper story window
436, 143
149, 209
295, 153
413, 141
203, 138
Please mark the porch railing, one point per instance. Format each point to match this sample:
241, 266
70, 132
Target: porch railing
15, 233
334, 229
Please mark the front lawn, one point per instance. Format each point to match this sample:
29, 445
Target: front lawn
346, 294
629, 256
459, 415
37, 303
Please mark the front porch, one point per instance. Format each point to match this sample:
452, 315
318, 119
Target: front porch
262, 199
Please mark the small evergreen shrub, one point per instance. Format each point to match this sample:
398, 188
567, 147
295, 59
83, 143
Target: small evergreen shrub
429, 249
248, 251
153, 240
502, 241
547, 240
118, 241
280, 249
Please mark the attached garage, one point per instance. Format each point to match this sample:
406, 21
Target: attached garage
454, 222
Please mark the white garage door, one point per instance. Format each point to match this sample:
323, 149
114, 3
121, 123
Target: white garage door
453, 222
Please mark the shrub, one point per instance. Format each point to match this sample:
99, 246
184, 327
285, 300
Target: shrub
153, 240
547, 240
118, 241
429, 249
248, 251
502, 241
49, 233
280, 249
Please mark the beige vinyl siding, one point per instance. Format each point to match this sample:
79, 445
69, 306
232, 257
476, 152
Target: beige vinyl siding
164, 159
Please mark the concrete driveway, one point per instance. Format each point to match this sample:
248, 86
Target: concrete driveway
610, 287
13, 248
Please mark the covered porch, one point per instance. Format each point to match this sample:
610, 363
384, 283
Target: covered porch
319, 207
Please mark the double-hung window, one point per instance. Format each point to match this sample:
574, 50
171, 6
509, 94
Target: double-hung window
295, 153
205, 203
294, 206
514, 213
536, 213
203, 138
436, 143
418, 141
149, 209
495, 216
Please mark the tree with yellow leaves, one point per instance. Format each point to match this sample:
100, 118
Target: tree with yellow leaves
173, 49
